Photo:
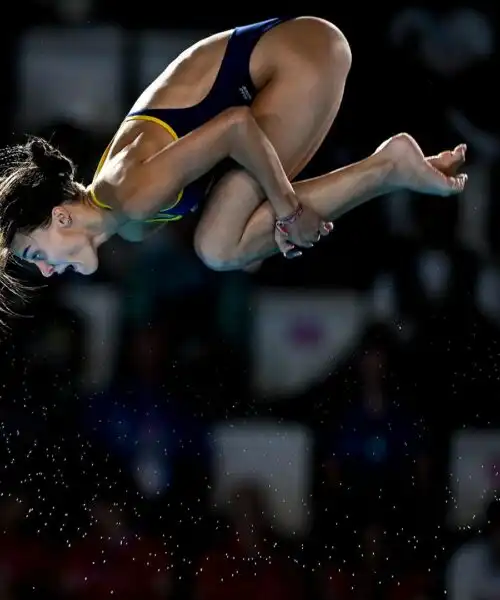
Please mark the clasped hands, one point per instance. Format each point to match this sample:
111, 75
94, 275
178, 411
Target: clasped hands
300, 229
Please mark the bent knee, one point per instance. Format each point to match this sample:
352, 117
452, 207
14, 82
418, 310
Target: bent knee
341, 51
328, 37
212, 254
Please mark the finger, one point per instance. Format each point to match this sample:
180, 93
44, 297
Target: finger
295, 253
313, 239
284, 245
324, 229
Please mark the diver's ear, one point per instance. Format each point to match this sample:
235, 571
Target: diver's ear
61, 217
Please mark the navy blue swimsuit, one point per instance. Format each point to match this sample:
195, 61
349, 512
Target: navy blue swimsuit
233, 87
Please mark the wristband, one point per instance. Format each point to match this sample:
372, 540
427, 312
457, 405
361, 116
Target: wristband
283, 223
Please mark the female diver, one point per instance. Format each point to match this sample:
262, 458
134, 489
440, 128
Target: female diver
222, 131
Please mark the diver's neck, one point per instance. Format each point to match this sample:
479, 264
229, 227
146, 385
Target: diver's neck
99, 222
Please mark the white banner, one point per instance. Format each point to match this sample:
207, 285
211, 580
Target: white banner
299, 336
474, 475
278, 457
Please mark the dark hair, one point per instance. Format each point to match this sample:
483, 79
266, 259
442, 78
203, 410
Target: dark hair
34, 178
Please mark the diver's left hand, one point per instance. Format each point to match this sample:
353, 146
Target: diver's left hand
288, 246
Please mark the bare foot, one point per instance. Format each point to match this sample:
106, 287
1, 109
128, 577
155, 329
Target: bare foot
450, 161
436, 175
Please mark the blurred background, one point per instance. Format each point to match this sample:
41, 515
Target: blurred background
325, 428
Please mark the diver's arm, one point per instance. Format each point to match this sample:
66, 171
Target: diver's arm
140, 185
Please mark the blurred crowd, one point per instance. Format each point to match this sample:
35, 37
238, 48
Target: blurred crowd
112, 387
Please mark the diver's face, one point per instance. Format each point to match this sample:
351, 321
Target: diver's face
59, 247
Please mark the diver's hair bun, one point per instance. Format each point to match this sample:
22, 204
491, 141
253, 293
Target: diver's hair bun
49, 160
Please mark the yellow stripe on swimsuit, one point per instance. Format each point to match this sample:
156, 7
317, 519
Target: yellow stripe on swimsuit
172, 213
